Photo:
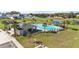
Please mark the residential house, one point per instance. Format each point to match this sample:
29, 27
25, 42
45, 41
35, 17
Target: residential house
3, 15
57, 22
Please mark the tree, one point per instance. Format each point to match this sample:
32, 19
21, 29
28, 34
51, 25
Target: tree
15, 27
44, 25
13, 12
34, 20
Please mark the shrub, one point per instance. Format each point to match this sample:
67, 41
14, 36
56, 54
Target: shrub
75, 29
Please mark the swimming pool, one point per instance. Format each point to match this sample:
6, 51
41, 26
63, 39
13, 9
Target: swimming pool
48, 27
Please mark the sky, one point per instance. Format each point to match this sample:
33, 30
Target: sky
39, 5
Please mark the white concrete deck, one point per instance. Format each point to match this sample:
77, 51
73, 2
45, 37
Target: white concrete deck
5, 37
41, 46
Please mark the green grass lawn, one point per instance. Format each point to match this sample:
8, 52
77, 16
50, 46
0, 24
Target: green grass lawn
74, 26
1, 25
64, 39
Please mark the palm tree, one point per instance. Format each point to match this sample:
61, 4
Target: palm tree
65, 21
44, 25
15, 26
34, 20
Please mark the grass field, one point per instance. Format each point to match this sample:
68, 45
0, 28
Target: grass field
1, 24
65, 39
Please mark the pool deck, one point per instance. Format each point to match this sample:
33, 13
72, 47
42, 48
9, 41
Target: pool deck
6, 40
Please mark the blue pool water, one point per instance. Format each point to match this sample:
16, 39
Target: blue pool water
48, 27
